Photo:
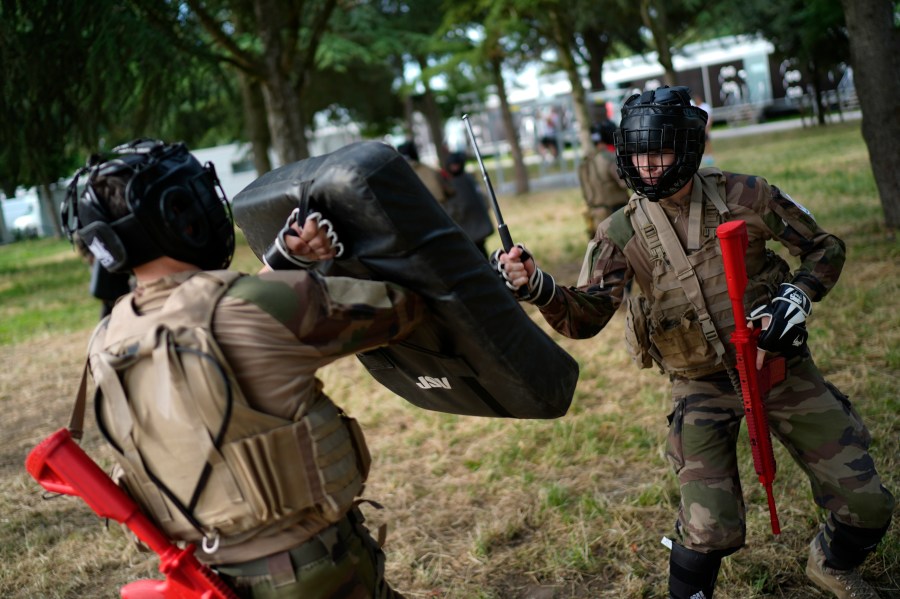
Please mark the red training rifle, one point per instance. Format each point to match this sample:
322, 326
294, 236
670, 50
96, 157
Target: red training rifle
754, 384
61, 466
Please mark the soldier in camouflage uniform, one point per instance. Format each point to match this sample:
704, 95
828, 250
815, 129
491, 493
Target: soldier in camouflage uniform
150, 208
603, 190
665, 240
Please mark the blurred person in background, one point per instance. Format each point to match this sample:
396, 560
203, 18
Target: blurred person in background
437, 182
603, 190
468, 207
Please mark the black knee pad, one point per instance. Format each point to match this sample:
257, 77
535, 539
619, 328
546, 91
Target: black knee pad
848, 546
692, 572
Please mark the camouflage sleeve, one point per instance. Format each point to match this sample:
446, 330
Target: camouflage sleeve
821, 254
335, 315
582, 311
361, 315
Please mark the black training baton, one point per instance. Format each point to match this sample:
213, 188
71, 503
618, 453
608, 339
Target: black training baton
505, 237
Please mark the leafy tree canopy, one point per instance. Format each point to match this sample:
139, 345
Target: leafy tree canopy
83, 75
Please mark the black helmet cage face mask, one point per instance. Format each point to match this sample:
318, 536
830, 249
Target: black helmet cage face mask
175, 207
654, 124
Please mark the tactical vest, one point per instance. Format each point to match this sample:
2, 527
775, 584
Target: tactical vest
598, 186
602, 193
684, 321
203, 463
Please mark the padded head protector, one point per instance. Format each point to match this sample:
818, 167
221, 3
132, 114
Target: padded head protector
603, 132
173, 207
408, 149
657, 122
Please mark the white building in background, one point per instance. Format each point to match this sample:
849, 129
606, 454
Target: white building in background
727, 70
233, 163
22, 214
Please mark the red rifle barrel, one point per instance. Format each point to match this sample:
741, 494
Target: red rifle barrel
61, 466
733, 241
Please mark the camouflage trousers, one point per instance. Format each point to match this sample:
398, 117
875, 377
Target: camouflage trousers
812, 419
351, 566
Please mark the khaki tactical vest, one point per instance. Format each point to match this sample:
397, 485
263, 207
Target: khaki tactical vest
683, 324
600, 187
598, 183
203, 463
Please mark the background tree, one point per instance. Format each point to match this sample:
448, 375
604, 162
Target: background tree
655, 15
603, 28
273, 42
420, 48
875, 48
102, 76
498, 40
670, 24
811, 32
561, 29
356, 78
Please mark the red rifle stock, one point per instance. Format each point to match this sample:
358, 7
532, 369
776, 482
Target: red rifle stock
61, 466
733, 241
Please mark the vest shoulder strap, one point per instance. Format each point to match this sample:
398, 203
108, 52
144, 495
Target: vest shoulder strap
685, 272
647, 230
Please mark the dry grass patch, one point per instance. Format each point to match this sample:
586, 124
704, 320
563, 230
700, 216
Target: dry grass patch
515, 509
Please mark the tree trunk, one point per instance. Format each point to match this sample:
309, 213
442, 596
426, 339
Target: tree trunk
658, 26
49, 210
562, 37
597, 44
285, 114
409, 118
4, 230
286, 60
509, 127
256, 125
874, 51
433, 118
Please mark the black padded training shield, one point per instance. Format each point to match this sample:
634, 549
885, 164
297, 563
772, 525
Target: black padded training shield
478, 353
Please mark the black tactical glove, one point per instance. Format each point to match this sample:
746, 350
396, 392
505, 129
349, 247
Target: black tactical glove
278, 257
786, 332
540, 287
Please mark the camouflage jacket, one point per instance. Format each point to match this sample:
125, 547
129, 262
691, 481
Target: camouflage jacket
582, 311
277, 328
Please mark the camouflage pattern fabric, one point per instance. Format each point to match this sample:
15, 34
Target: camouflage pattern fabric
355, 569
812, 419
603, 191
276, 330
611, 260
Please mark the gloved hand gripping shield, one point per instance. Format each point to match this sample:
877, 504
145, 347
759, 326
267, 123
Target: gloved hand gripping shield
279, 257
